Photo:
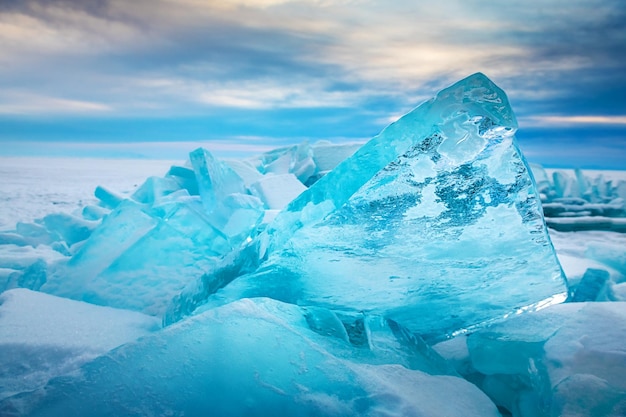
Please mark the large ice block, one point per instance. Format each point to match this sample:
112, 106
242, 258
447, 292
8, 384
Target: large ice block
435, 223
276, 191
251, 358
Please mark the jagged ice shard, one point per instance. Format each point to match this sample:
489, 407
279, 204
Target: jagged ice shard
435, 223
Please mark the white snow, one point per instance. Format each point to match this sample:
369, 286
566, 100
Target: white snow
276, 191
37, 319
42, 336
578, 251
30, 188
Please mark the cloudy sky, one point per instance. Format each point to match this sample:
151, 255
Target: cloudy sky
152, 78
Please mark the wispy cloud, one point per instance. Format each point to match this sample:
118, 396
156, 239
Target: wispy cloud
365, 60
560, 121
301, 47
21, 103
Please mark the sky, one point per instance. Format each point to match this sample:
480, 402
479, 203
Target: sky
156, 78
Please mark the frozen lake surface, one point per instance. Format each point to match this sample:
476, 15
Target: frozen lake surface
30, 188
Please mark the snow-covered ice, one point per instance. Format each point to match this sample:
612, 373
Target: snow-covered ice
30, 188
43, 336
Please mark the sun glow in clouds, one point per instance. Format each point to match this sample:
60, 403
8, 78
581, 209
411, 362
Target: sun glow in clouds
136, 71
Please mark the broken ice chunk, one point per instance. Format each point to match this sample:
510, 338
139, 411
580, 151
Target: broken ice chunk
149, 273
140, 258
185, 177
215, 178
154, 189
35, 234
108, 198
328, 155
230, 207
609, 250
120, 229
13, 239
237, 215
276, 191
32, 277
69, 228
297, 160
94, 213
248, 173
592, 286
188, 217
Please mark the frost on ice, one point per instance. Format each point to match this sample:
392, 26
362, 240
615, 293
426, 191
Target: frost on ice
312, 280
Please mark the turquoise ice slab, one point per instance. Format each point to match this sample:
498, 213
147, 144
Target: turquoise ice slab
215, 179
434, 223
225, 198
140, 258
456, 125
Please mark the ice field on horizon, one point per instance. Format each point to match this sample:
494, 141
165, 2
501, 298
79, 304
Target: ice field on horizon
375, 279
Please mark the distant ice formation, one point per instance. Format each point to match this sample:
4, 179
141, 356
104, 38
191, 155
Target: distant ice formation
573, 201
402, 276
566, 360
